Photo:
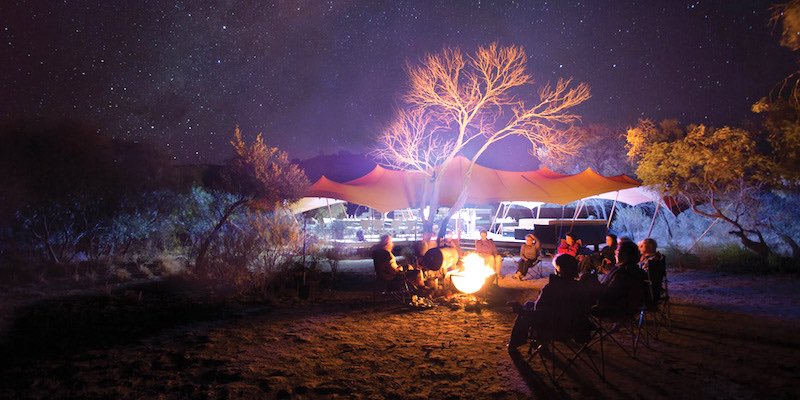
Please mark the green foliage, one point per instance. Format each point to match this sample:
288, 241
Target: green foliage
723, 168
262, 174
704, 163
260, 177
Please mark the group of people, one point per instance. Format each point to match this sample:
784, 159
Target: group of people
632, 278
528, 255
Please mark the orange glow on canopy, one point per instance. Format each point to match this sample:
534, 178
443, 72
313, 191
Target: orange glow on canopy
387, 190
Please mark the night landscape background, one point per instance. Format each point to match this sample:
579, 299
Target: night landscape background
325, 76
165, 232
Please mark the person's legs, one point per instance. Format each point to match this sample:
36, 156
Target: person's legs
522, 268
587, 264
489, 260
526, 265
498, 265
520, 333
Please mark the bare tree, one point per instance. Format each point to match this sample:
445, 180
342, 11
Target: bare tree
455, 100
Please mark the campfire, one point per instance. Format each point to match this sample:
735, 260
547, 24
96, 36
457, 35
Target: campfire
473, 275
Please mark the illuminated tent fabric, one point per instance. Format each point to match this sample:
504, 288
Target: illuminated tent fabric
633, 196
386, 190
382, 189
643, 194
311, 203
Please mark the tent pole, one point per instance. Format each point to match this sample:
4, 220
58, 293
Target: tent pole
707, 229
575, 215
411, 213
704, 233
655, 214
330, 213
305, 238
494, 218
611, 215
560, 226
506, 209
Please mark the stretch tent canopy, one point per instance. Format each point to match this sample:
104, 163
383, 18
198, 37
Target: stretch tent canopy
386, 190
311, 203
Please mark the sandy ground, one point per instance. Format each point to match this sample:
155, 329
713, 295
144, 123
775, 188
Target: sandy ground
166, 341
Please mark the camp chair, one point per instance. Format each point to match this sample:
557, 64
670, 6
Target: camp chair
559, 351
658, 309
659, 312
536, 271
397, 290
631, 323
662, 317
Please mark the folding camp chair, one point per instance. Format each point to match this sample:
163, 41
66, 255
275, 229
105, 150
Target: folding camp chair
537, 270
659, 312
659, 309
631, 323
399, 291
559, 351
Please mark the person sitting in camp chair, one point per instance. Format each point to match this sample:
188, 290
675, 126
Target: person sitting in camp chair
491, 257
573, 246
528, 256
599, 262
561, 310
570, 245
654, 264
624, 286
387, 269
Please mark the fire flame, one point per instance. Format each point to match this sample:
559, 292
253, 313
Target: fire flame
473, 276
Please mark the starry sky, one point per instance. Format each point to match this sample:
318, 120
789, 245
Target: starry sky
325, 76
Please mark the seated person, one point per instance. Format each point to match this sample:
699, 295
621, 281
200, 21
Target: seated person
570, 245
386, 267
561, 310
573, 246
422, 247
600, 261
528, 256
624, 286
654, 264
487, 249
608, 254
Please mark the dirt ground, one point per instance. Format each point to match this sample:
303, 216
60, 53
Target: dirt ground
165, 341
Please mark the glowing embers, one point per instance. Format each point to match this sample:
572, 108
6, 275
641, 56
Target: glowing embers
473, 275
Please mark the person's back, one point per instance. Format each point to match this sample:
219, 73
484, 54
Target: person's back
654, 264
563, 307
382, 261
624, 286
623, 290
386, 267
564, 302
656, 268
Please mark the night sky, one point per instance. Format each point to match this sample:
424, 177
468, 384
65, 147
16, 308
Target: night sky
325, 76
